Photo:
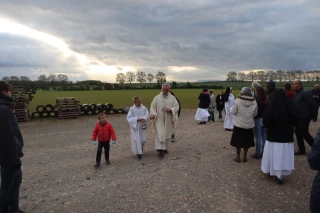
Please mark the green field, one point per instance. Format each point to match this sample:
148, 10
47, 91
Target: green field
119, 98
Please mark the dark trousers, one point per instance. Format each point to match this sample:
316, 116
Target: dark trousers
106, 146
315, 195
211, 113
302, 132
9, 191
220, 113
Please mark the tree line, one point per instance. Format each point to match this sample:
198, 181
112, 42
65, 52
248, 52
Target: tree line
279, 75
140, 77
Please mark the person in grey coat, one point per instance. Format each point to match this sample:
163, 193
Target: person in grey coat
307, 110
314, 163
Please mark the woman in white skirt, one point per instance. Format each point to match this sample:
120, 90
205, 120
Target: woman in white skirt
228, 103
202, 113
279, 118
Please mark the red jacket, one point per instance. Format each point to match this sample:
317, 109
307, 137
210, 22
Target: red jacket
104, 132
291, 94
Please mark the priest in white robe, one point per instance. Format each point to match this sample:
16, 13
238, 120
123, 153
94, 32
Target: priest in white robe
137, 118
164, 118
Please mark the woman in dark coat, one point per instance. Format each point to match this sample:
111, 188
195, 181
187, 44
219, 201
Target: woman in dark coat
202, 113
220, 104
279, 118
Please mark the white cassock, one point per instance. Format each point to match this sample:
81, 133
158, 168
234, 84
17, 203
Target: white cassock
228, 119
164, 123
138, 135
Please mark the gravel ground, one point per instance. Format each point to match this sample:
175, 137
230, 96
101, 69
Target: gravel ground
197, 175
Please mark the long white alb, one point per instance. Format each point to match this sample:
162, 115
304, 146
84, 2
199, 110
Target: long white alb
138, 135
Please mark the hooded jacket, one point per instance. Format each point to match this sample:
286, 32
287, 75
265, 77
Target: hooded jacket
244, 110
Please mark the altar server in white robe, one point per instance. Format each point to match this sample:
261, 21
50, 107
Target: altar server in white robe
228, 103
164, 118
137, 118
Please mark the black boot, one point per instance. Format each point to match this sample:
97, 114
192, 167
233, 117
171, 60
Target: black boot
161, 153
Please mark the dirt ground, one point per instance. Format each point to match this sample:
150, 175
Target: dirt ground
197, 175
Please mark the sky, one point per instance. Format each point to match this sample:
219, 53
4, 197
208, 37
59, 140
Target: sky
188, 40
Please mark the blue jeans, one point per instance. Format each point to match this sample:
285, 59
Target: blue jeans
260, 133
9, 192
211, 115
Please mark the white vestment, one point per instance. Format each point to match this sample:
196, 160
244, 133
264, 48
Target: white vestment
278, 159
228, 119
164, 123
138, 135
202, 114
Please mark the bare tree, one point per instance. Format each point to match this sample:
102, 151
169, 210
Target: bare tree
161, 77
290, 75
299, 74
24, 78
280, 75
271, 75
6, 78
42, 78
121, 78
251, 76
261, 75
130, 77
241, 76
232, 76
52, 78
62, 78
150, 77
141, 77
14, 78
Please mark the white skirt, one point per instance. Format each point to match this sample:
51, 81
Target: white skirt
202, 114
278, 159
228, 118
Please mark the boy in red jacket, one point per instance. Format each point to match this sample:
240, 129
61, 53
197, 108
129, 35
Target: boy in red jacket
105, 132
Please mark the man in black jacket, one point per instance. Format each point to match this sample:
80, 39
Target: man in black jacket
11, 144
307, 110
314, 163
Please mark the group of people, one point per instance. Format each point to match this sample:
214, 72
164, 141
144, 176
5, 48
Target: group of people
207, 104
164, 112
270, 115
273, 116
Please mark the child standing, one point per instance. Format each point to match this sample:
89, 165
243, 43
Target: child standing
104, 131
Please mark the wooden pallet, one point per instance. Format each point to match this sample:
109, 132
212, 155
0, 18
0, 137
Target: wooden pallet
68, 107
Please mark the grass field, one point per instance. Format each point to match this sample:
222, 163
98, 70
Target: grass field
119, 98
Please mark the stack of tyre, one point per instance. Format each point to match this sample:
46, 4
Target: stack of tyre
45, 111
94, 109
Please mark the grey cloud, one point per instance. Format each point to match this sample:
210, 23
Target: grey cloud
215, 36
